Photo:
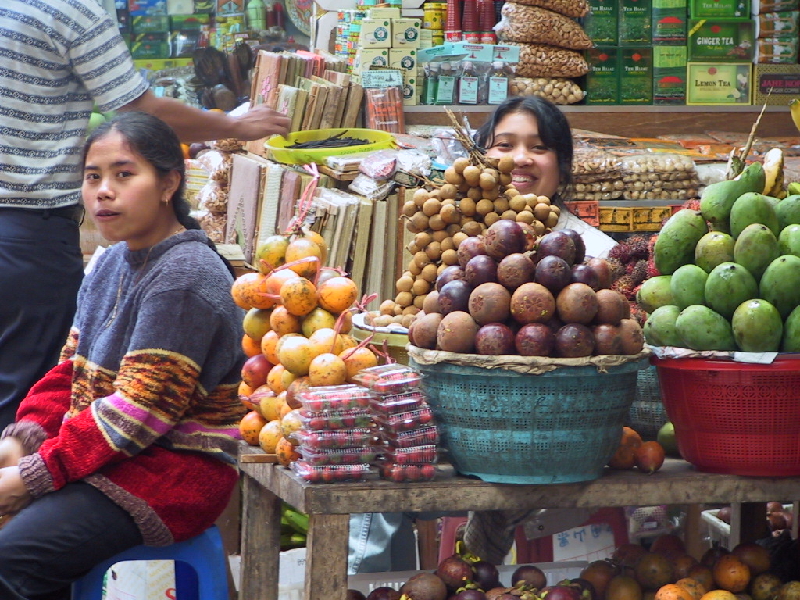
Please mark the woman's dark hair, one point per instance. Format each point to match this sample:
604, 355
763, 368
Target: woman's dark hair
553, 127
158, 144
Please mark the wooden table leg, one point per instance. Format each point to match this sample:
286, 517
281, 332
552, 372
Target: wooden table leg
261, 542
326, 557
693, 528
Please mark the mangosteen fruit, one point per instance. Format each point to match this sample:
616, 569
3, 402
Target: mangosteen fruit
576, 303
585, 588
454, 296
603, 269
455, 572
580, 246
553, 272
514, 270
574, 340
529, 575
472, 246
557, 243
534, 339
384, 592
494, 339
582, 273
490, 303
354, 595
502, 238
559, 592
424, 586
447, 275
486, 575
480, 269
532, 303
470, 594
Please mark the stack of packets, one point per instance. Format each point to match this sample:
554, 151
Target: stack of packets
337, 441
405, 420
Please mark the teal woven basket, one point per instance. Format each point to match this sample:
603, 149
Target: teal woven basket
647, 414
506, 427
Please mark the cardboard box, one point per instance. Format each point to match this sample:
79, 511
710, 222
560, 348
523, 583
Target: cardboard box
151, 45
230, 7
180, 7
187, 22
669, 22
404, 59
636, 75
782, 50
635, 22
602, 22
669, 75
783, 80
718, 83
160, 64
602, 80
376, 33
366, 58
405, 33
150, 24
777, 24
383, 13
147, 7
719, 9
717, 40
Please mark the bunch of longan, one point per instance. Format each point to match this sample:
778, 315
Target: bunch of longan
475, 194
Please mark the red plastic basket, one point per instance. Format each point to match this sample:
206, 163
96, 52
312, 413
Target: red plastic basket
735, 418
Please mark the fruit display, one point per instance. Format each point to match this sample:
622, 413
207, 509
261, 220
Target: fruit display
633, 452
514, 293
728, 271
297, 325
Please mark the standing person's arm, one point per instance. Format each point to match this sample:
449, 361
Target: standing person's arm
195, 125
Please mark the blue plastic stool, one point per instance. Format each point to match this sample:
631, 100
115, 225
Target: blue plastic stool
207, 578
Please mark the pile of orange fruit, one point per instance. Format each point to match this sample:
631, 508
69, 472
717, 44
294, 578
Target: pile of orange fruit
296, 336
633, 452
667, 572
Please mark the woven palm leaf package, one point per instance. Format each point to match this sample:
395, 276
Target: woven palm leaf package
529, 420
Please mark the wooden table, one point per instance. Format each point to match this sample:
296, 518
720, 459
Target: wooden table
329, 507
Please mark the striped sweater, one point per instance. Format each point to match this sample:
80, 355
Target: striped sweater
144, 404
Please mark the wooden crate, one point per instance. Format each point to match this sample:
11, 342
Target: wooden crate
615, 218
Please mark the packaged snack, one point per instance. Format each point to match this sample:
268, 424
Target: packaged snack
407, 473
415, 455
336, 419
406, 421
335, 397
332, 473
340, 438
413, 437
340, 456
388, 379
395, 403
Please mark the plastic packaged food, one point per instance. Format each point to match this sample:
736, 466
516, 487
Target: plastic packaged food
340, 438
395, 403
340, 456
413, 437
336, 419
406, 421
415, 455
388, 379
335, 397
407, 473
332, 473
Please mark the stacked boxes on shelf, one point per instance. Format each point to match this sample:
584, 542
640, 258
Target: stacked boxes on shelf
156, 31
776, 74
721, 36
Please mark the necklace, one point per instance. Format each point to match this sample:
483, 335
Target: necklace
139, 274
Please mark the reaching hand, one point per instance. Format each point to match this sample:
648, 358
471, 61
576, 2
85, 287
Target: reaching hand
14, 496
10, 452
261, 121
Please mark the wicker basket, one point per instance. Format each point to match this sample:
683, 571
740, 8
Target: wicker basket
647, 414
560, 426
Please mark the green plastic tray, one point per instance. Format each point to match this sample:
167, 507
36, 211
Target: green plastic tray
277, 145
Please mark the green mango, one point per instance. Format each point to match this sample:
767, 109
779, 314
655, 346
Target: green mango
755, 248
654, 292
718, 198
713, 249
789, 240
677, 239
788, 211
701, 328
753, 208
791, 332
659, 329
793, 188
727, 286
757, 326
780, 284
688, 286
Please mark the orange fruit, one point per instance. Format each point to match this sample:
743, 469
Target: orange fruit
291, 422
269, 436
694, 587
327, 369
299, 296
624, 458
600, 573
653, 571
649, 457
274, 281
296, 355
765, 586
358, 360
682, 564
317, 238
279, 379
244, 389
300, 248
317, 319
754, 556
630, 437
668, 544
337, 294
703, 575
286, 452
250, 427
719, 595
271, 253
672, 591
268, 345
627, 555
256, 323
731, 574
623, 587
283, 322
713, 554
250, 346
249, 291
271, 406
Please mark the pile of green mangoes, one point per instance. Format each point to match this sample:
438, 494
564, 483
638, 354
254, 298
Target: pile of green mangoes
730, 272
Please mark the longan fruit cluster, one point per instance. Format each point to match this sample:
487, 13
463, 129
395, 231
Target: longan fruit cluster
474, 195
